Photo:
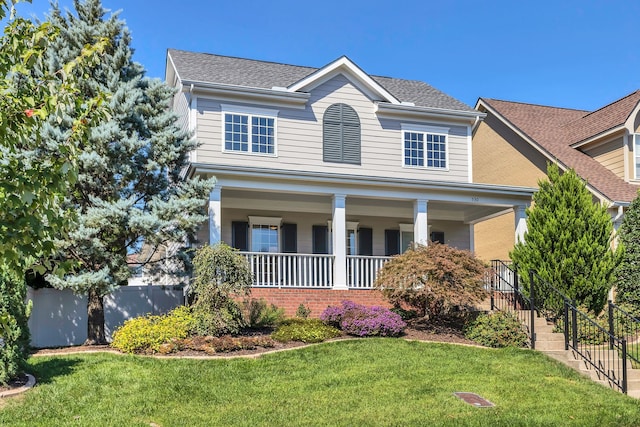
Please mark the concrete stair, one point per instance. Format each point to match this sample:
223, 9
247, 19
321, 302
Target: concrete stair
552, 344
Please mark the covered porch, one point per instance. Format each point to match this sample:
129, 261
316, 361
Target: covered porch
336, 233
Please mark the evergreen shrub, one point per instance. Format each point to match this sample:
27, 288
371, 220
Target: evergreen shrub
628, 271
257, 313
568, 243
497, 329
305, 330
362, 321
147, 334
14, 330
303, 311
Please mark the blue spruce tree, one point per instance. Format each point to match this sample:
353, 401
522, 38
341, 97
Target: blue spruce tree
130, 192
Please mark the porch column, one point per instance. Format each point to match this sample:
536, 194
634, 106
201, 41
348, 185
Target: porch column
521, 222
339, 241
420, 228
215, 215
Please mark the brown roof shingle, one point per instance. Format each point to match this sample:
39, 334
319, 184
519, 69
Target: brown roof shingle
556, 129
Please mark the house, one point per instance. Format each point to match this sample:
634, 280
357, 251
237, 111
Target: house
324, 173
514, 142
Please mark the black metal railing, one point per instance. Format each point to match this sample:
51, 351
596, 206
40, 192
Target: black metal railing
606, 349
599, 347
507, 295
625, 325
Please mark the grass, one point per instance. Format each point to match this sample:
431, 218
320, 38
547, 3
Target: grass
368, 382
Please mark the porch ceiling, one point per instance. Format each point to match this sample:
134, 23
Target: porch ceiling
356, 206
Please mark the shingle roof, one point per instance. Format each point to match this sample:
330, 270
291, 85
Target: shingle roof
204, 67
556, 129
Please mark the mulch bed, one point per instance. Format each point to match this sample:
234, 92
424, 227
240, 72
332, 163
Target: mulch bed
21, 381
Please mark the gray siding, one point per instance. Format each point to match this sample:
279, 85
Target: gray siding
299, 139
181, 108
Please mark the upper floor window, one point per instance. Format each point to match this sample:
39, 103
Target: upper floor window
341, 135
249, 130
636, 153
424, 146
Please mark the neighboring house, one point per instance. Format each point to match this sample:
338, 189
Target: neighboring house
324, 173
514, 142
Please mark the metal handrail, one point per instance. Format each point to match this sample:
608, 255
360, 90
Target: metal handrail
624, 324
507, 295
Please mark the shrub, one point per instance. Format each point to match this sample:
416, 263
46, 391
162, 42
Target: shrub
221, 274
303, 311
14, 331
405, 314
356, 319
628, 271
568, 243
305, 330
150, 334
497, 329
260, 314
432, 280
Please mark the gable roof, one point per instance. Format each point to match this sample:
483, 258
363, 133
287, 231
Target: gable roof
554, 130
210, 68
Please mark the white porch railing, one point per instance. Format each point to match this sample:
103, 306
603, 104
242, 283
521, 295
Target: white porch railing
291, 270
363, 270
282, 270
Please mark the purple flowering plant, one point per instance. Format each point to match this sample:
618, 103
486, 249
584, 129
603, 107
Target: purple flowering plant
362, 321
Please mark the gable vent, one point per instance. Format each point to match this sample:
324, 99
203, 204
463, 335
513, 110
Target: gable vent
341, 135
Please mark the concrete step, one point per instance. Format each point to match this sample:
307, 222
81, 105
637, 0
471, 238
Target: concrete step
545, 346
552, 344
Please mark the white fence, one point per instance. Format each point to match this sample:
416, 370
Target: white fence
59, 318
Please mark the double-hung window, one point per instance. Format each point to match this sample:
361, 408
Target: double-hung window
424, 146
636, 154
265, 233
249, 130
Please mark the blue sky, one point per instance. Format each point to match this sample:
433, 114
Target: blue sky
574, 54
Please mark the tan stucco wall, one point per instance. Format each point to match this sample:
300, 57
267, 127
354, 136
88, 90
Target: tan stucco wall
500, 156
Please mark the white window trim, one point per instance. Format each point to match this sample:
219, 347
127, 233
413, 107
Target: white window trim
636, 155
425, 129
249, 112
265, 220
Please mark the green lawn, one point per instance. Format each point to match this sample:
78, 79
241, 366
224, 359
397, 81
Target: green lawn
367, 382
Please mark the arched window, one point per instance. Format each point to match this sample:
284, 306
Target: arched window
341, 135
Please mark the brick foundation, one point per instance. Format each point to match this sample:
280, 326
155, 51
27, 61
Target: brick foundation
316, 299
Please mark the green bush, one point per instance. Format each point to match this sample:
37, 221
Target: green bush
405, 314
303, 311
260, 314
147, 334
221, 274
305, 330
497, 329
14, 331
